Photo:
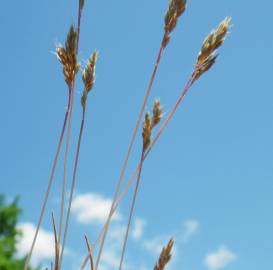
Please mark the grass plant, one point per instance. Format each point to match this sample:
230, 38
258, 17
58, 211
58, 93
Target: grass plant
68, 57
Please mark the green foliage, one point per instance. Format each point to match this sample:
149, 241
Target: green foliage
9, 235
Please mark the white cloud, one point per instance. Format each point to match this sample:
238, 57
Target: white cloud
220, 258
138, 228
92, 208
112, 249
191, 227
44, 248
156, 244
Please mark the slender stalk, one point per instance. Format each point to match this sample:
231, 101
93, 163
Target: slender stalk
130, 182
66, 161
72, 185
69, 132
50, 181
132, 210
125, 163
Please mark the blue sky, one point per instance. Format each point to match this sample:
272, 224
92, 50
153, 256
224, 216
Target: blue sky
208, 182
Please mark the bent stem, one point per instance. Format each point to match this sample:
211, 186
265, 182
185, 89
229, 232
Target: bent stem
132, 209
50, 181
72, 185
125, 163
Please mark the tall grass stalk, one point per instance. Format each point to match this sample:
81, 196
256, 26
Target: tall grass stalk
131, 210
88, 78
125, 163
72, 187
80, 8
175, 10
50, 181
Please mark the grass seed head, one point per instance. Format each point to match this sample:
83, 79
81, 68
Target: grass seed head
146, 131
88, 76
67, 55
209, 62
207, 55
214, 40
157, 113
175, 10
165, 256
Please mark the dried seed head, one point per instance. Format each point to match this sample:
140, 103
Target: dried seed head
88, 77
165, 256
71, 41
157, 113
146, 131
68, 56
175, 10
214, 40
207, 56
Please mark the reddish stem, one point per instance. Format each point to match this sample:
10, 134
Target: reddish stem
72, 185
132, 209
124, 166
130, 182
50, 181
72, 90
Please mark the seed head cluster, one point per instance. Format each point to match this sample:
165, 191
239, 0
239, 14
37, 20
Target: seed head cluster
149, 123
175, 10
88, 76
157, 113
67, 55
207, 55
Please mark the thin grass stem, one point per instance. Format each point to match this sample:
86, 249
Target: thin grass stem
69, 131
72, 186
50, 181
124, 166
68, 135
132, 178
131, 210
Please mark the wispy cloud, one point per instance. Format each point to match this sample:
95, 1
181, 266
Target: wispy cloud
44, 248
112, 251
220, 258
190, 228
138, 228
92, 208
155, 245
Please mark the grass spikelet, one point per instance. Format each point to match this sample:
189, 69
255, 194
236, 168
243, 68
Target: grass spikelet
88, 77
157, 113
175, 10
165, 256
68, 56
207, 56
147, 131
208, 63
